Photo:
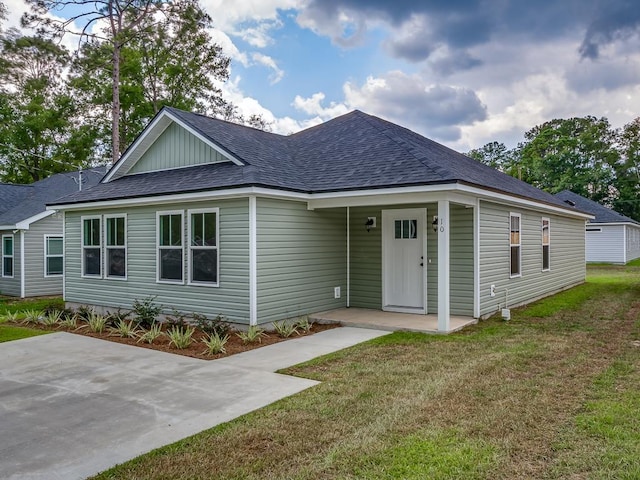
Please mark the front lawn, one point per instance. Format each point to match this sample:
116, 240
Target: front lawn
9, 332
551, 394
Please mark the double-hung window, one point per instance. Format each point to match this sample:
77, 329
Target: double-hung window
116, 246
7, 256
170, 247
546, 243
203, 246
53, 256
515, 244
91, 247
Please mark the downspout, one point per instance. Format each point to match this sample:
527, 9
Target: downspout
253, 265
22, 272
348, 260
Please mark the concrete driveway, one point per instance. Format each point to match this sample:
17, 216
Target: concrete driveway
72, 406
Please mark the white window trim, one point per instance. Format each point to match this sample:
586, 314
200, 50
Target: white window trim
511, 215
83, 246
190, 248
158, 247
548, 244
12, 256
105, 265
47, 255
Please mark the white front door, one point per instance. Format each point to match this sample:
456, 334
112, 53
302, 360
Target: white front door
403, 266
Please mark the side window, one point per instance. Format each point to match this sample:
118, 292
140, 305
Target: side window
91, 247
116, 246
7, 256
170, 249
203, 246
515, 244
53, 256
546, 244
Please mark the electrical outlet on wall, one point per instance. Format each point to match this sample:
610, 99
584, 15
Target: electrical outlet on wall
336, 292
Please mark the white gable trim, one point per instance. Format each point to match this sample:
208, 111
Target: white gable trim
149, 136
26, 223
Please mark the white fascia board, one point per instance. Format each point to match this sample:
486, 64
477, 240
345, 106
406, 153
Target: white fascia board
24, 224
612, 224
150, 135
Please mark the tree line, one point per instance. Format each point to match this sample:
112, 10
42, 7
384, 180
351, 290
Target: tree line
583, 154
62, 109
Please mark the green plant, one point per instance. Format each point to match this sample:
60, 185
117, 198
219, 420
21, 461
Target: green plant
114, 318
150, 335
146, 311
32, 316
252, 334
84, 312
176, 319
125, 329
12, 317
219, 325
52, 318
96, 322
70, 322
285, 329
180, 337
215, 344
304, 324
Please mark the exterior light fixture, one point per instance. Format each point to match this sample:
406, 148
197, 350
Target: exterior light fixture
434, 224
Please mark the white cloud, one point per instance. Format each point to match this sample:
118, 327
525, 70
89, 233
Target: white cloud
269, 62
312, 106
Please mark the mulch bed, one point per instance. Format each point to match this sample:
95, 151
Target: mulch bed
197, 348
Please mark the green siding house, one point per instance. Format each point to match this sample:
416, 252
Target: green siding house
219, 218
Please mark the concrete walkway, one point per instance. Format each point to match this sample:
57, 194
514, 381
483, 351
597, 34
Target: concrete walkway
72, 406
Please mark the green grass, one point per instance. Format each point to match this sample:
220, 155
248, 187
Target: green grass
8, 333
552, 394
9, 304
634, 263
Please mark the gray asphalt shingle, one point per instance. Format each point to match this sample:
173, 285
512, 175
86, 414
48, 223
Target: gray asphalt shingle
351, 152
602, 213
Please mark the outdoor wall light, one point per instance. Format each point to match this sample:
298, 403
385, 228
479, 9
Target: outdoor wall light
371, 222
434, 224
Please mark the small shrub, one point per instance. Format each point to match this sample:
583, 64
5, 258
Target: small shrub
176, 319
304, 324
215, 344
125, 329
285, 329
96, 322
70, 322
114, 318
150, 335
180, 337
84, 312
53, 307
146, 311
219, 325
252, 335
12, 317
52, 318
32, 316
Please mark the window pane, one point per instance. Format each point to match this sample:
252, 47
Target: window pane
54, 246
398, 225
545, 257
171, 264
197, 229
92, 261
413, 228
7, 246
205, 265
176, 230
115, 231
95, 231
54, 266
515, 260
7, 267
210, 229
116, 262
120, 231
405, 229
165, 221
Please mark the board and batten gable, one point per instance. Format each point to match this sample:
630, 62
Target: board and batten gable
633, 242
230, 298
175, 148
567, 256
36, 283
11, 285
301, 258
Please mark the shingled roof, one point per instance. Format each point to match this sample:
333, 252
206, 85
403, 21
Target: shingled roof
20, 202
355, 151
602, 213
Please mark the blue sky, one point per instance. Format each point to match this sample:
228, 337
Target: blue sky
463, 72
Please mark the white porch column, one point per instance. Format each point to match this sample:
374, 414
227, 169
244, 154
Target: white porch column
443, 266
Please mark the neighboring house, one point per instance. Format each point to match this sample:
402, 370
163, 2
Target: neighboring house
32, 236
610, 236
215, 217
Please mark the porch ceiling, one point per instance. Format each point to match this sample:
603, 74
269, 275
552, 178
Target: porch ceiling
367, 318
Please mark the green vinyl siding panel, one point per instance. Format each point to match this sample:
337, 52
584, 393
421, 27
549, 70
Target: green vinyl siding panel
301, 258
366, 258
36, 283
231, 298
176, 148
567, 256
11, 286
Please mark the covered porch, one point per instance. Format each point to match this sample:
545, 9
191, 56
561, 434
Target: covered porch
391, 321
